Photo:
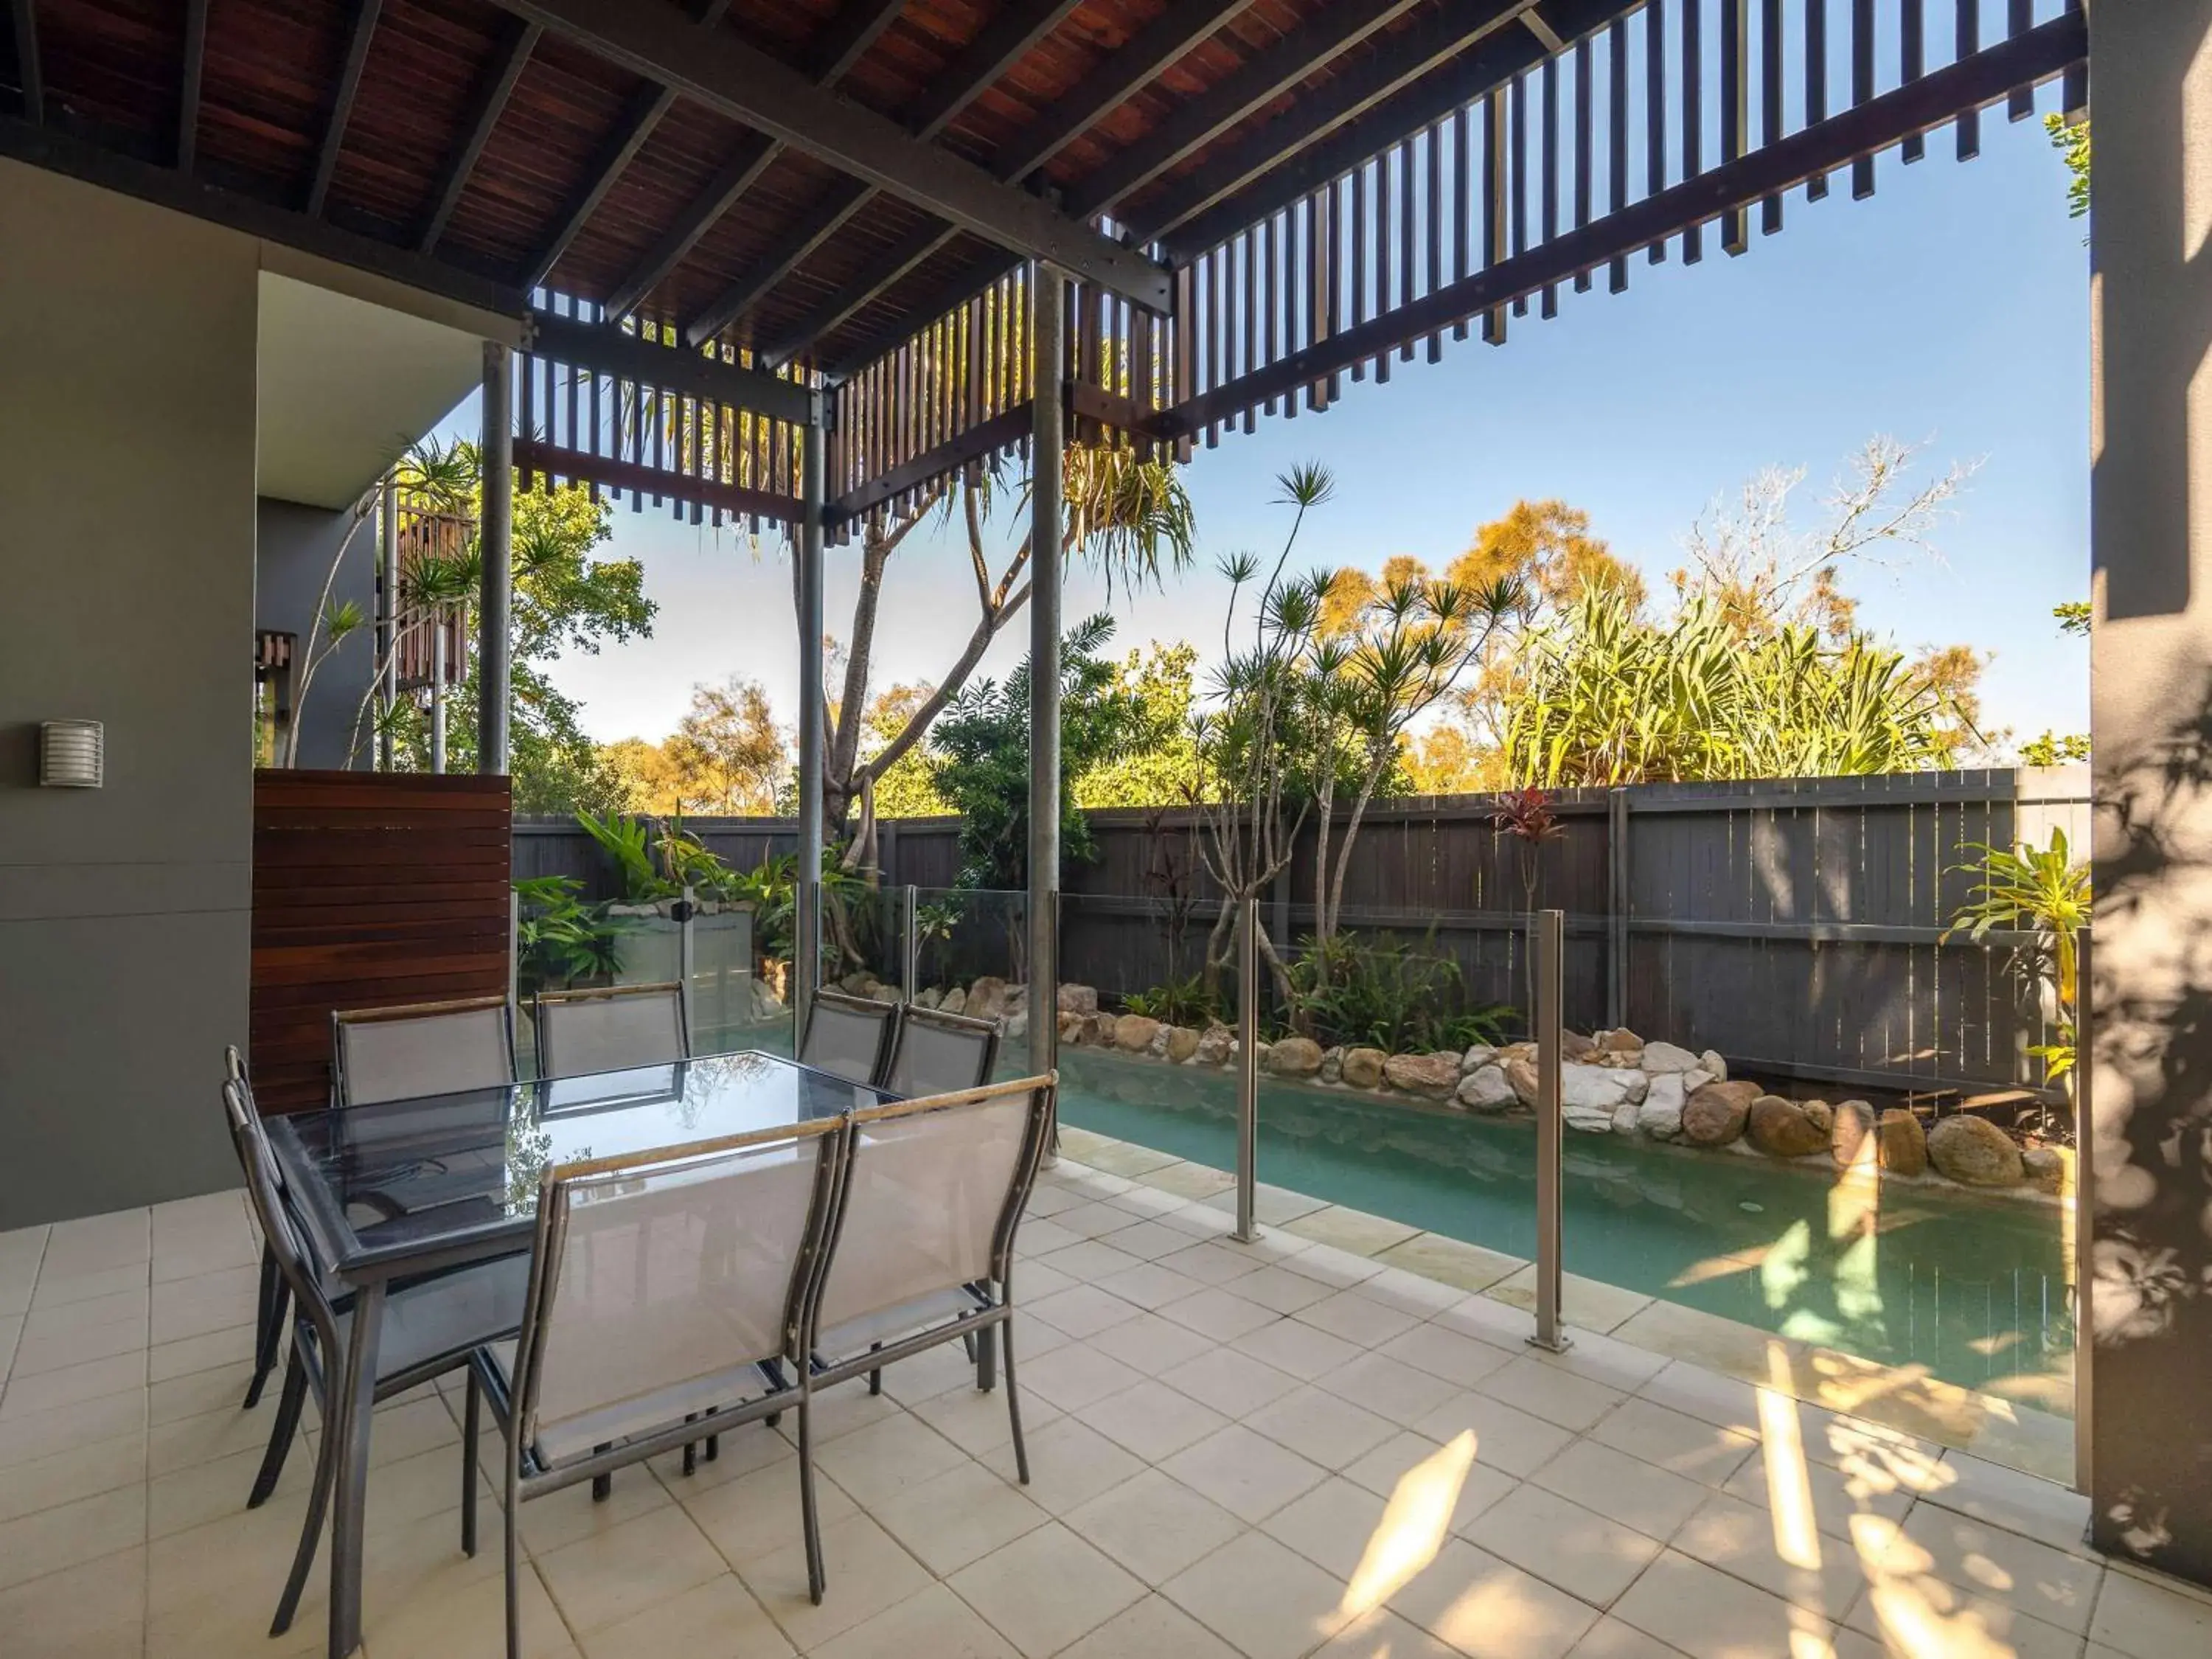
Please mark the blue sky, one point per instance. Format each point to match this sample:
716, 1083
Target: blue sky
1952, 309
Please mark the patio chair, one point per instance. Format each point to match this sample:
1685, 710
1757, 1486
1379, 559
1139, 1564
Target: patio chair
419, 1049
850, 1037
672, 1295
924, 1248
272, 1298
935, 1053
429, 1327
611, 1028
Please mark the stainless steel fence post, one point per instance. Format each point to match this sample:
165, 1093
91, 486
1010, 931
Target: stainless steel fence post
1546, 941
909, 955
2085, 1218
1247, 1070
686, 961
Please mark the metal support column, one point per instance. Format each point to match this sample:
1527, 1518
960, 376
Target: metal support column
909, 947
1546, 954
438, 696
387, 618
806, 948
2083, 1199
1048, 302
1616, 907
1248, 1070
496, 534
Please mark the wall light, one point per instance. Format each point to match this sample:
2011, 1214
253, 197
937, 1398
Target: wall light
71, 754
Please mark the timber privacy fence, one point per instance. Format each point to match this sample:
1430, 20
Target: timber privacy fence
1793, 925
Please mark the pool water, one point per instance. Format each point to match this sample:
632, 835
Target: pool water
1975, 1290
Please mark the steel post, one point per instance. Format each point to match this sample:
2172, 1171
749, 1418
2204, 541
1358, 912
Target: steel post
806, 946
1248, 1070
496, 534
910, 950
1047, 304
1547, 952
2084, 1217
387, 617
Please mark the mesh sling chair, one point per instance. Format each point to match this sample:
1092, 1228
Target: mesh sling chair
849, 1037
429, 1327
935, 1053
672, 1295
271, 1297
419, 1049
610, 1030
924, 1245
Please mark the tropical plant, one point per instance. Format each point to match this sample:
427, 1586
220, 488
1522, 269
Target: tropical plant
1178, 1002
1526, 816
2044, 891
629, 843
558, 939
1389, 993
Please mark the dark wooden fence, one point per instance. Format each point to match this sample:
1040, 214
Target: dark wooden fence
369, 889
1795, 925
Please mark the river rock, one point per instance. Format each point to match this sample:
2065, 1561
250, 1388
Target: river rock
1331, 1066
2048, 1169
1781, 1128
1821, 1115
1850, 1138
1903, 1144
1183, 1043
955, 1002
929, 998
1074, 1028
1624, 1118
1104, 1029
1078, 999
1434, 1076
1711, 1060
1295, 1056
987, 997
1133, 1033
1600, 1085
1659, 1117
1157, 1048
1486, 1090
1476, 1058
1621, 1040
1214, 1046
1660, 1058
1014, 1026
1714, 1115
1362, 1067
1573, 1045
1973, 1151
1520, 1077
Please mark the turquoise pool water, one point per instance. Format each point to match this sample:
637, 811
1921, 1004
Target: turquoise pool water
1975, 1290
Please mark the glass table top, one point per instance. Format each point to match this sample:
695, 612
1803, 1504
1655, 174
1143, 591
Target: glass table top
376, 1184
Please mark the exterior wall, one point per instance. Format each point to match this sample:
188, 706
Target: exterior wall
294, 547
2151, 708
127, 406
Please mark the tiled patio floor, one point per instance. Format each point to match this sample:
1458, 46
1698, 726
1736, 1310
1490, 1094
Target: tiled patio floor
1272, 1450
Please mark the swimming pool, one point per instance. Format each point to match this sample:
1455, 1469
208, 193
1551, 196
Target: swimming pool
1975, 1290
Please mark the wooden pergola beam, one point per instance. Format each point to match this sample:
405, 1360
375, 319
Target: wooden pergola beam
823, 219
365, 15
532, 456
606, 349
507, 66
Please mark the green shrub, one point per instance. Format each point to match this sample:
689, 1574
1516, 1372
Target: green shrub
1385, 993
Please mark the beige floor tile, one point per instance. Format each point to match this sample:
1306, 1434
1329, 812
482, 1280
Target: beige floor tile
1213, 1262
1306, 1353
1247, 1475
876, 1463
2037, 1443
1070, 1463
1835, 1497
207, 1492
1606, 1359
1383, 1634
1911, 1616
1277, 1288
2140, 1616
1151, 1238
2040, 1509
1609, 1638
95, 1611
977, 1422
1151, 1344
211, 1302
846, 1409
11, 1332
60, 1317
198, 1353
757, 1515
1411, 1469
1636, 1493
223, 1432
1351, 1229
1505, 1436
1491, 1609
1334, 1526
1387, 1386
205, 1391
1488, 1320
640, 1564
1046, 1589
1095, 1220
66, 1350
64, 1427
71, 1533
1220, 1314
1443, 1352
1786, 1560
1976, 1557
1126, 1160
866, 1571
44, 1483
1233, 1383
1152, 1420
1148, 1201
1265, 1600
935, 1622
1338, 1269
1075, 1375
1413, 1292
1042, 1237
1580, 1551
239, 1556
1154, 1628
469, 1618
1710, 1614
407, 1490
1585, 1302
1724, 1401
1082, 1311
958, 1517
1150, 1285
718, 1619
569, 1517
92, 1242
1088, 1260
1153, 1525
1191, 1181
1452, 1262
1271, 1205
1037, 1281
1321, 1427
1557, 1396
1685, 1445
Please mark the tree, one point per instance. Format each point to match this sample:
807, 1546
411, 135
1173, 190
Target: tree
727, 753
906, 788
2071, 140
1159, 682
2053, 748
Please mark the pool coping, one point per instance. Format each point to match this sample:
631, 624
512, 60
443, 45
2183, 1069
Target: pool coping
1906, 1398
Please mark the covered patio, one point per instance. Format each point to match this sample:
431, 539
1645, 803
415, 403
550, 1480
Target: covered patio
788, 266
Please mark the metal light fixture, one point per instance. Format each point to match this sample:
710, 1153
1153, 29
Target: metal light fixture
71, 754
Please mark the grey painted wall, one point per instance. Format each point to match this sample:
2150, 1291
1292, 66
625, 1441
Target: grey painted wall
294, 549
2150, 1148
127, 342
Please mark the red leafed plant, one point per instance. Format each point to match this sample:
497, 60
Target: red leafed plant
1527, 816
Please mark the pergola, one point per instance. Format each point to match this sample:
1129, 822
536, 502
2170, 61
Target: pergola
797, 261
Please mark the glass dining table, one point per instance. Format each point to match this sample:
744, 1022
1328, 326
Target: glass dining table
400, 1188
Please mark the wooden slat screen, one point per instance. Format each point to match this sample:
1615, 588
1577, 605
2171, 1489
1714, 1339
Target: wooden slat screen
369, 889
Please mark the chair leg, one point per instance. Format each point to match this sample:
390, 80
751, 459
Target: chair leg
987, 1358
514, 1563
268, 1327
602, 1486
311, 1533
875, 1377
471, 1418
817, 1579
280, 1433
714, 1447
1014, 1403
